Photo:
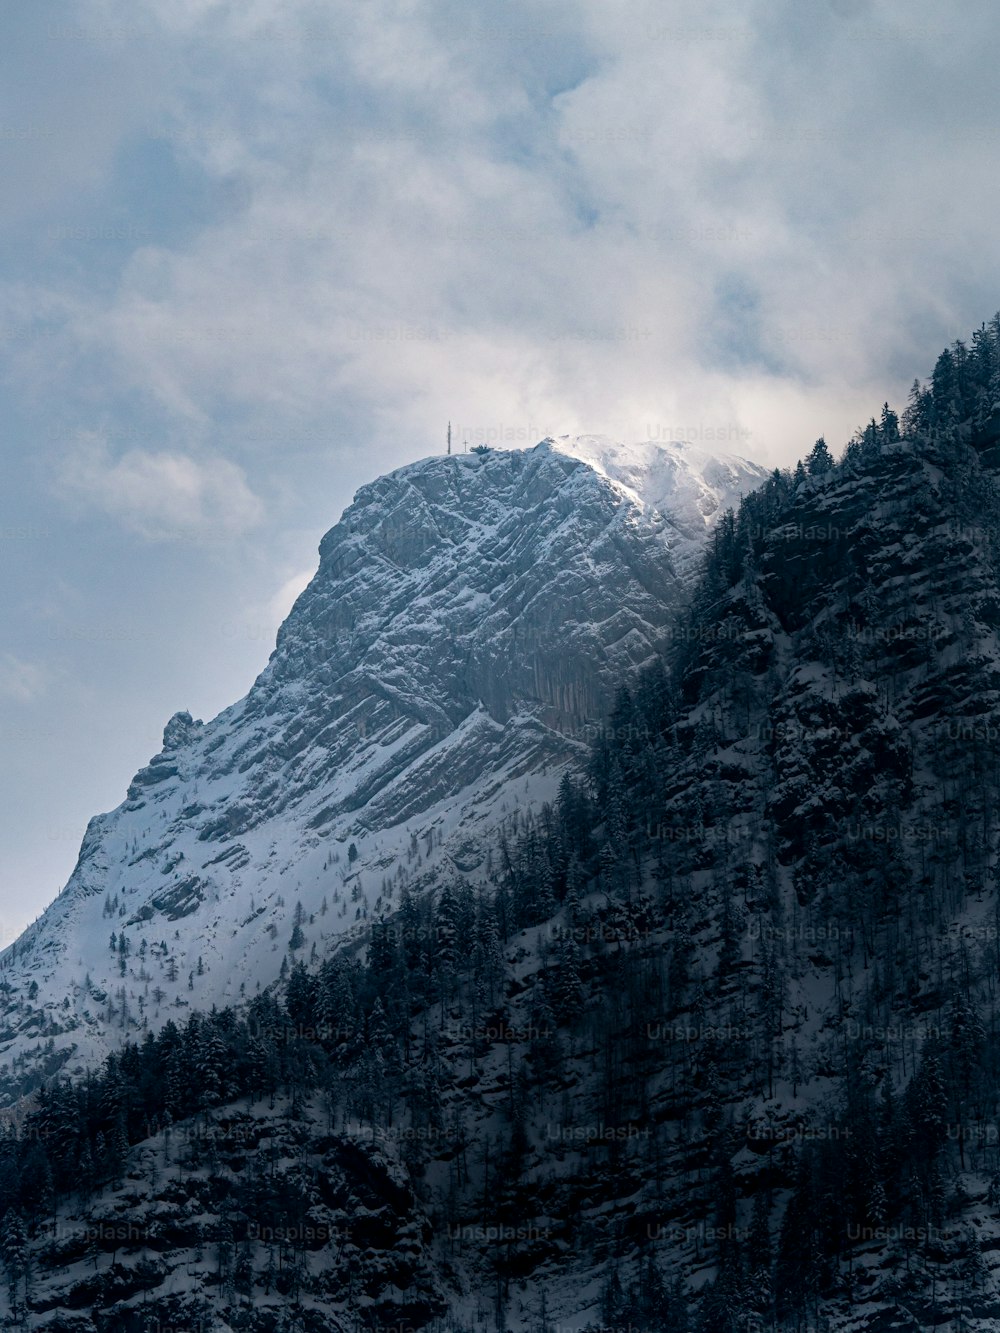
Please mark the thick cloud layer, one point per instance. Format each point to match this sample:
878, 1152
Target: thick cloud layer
253, 254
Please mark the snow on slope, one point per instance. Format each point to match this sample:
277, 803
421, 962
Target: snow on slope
458, 646
688, 487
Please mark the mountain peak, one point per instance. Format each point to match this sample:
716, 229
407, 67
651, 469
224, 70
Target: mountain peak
459, 644
179, 730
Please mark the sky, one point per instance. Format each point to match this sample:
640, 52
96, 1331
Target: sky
255, 254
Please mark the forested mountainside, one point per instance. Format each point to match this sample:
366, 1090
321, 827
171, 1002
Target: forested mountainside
711, 1044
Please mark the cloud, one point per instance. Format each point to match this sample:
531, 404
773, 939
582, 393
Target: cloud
595, 221
21, 681
162, 495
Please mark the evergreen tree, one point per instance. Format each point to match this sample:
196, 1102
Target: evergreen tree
568, 996
14, 1251
820, 459
888, 425
760, 1286
927, 1108
297, 937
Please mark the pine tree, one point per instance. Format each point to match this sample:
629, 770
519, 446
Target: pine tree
117, 1152
759, 1279
968, 1036
820, 459
297, 938
446, 938
85, 1170
724, 1304
797, 1274
211, 1060
568, 997
546, 1048
243, 1275
713, 1113
729, 947
927, 1108
336, 1008
299, 997
490, 950
888, 425
975, 1270
916, 415
14, 1251
379, 1035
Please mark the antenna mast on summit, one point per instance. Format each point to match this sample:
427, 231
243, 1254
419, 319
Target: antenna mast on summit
449, 437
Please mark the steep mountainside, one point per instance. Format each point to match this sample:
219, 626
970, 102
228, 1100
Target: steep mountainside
708, 1044
458, 645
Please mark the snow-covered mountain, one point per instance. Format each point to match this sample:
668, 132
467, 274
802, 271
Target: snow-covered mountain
456, 649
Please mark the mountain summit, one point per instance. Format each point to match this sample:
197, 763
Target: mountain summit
458, 646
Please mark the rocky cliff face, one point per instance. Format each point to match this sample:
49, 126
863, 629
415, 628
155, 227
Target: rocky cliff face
458, 646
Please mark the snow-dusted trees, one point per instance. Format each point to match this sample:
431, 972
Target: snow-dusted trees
14, 1251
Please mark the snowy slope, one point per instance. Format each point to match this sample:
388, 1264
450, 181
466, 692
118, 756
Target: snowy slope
457, 647
682, 488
